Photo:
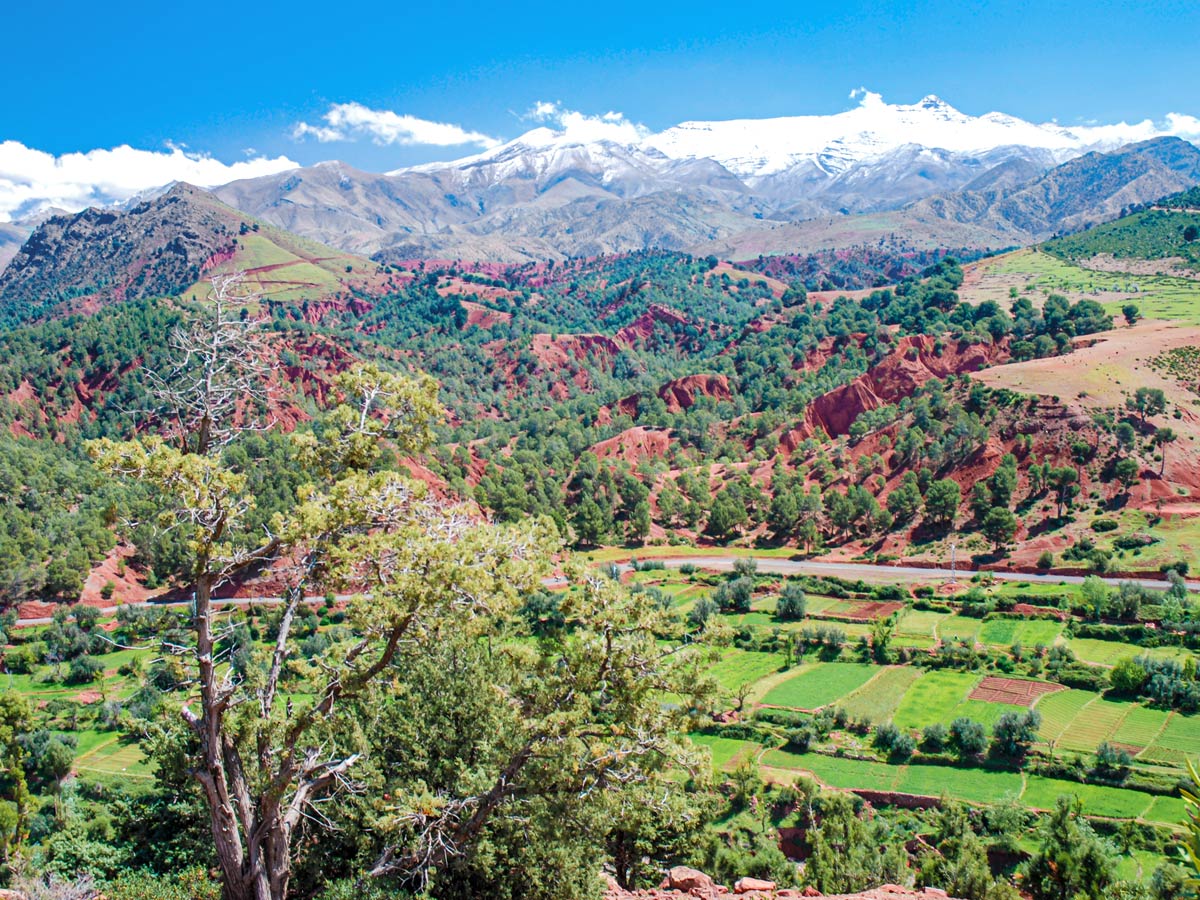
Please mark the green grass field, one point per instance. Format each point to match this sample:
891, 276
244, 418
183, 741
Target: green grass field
726, 752
836, 771
1108, 653
1179, 740
971, 785
739, 667
1098, 800
1027, 633
1059, 710
820, 684
960, 628
1140, 727
975, 785
876, 701
1097, 722
1158, 296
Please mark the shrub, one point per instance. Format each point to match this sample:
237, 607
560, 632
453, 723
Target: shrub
934, 738
1046, 560
792, 604
967, 737
84, 670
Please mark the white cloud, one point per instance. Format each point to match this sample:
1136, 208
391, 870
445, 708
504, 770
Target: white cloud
33, 180
349, 121
577, 127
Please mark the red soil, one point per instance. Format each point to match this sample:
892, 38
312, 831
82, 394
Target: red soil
1016, 691
634, 444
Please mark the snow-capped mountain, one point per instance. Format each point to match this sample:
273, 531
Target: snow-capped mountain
582, 185
752, 149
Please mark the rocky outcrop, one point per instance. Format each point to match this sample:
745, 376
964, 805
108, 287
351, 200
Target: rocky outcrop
684, 882
643, 326
914, 361
634, 444
681, 393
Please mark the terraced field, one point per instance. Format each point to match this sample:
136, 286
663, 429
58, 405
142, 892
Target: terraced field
1140, 727
727, 753
1179, 738
1098, 722
1098, 800
110, 754
876, 701
1027, 632
973, 785
819, 684
941, 696
1108, 653
739, 667
1059, 711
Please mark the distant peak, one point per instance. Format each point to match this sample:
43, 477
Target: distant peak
933, 101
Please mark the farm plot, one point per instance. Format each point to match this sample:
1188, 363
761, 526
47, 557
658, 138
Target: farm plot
1097, 800
1027, 632
1180, 738
1059, 710
739, 667
819, 685
971, 785
876, 701
1141, 727
1017, 691
1108, 653
942, 696
726, 753
113, 755
862, 610
959, 628
836, 771
1098, 722
1170, 810
918, 628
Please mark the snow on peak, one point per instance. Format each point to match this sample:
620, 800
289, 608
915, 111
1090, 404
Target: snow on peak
752, 148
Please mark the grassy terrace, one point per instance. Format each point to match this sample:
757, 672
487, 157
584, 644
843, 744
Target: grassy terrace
1073, 724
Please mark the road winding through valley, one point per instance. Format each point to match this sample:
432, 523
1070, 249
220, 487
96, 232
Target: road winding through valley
869, 572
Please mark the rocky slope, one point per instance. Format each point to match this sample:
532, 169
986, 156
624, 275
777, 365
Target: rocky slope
163, 246
682, 882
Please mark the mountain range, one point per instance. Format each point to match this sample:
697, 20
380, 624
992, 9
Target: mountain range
986, 181
920, 176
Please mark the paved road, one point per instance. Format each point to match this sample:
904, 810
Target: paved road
880, 574
886, 573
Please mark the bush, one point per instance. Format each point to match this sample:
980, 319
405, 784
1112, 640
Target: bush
1103, 525
84, 670
799, 740
967, 737
745, 566
792, 604
934, 738
191, 884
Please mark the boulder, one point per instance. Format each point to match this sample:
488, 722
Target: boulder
682, 878
745, 885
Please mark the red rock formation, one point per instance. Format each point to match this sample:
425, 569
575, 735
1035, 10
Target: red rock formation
643, 326
912, 362
681, 393
634, 444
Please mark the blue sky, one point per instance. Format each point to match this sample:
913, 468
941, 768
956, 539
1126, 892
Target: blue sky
233, 81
